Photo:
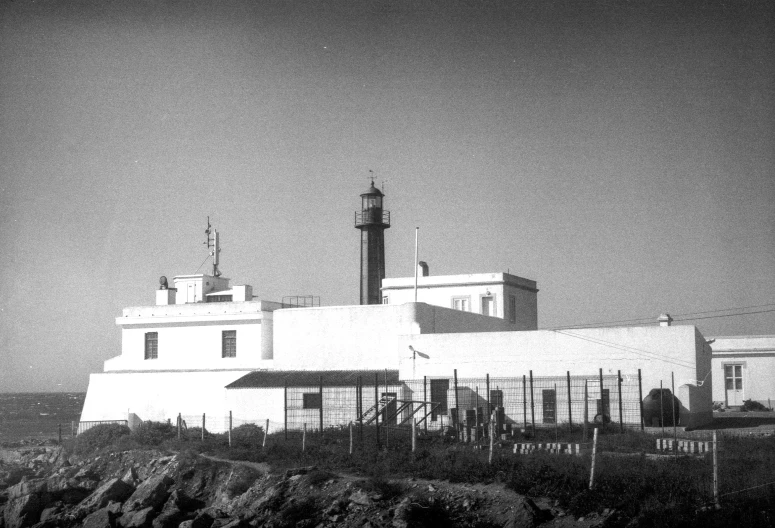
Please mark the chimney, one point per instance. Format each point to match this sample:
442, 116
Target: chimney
664, 319
422, 269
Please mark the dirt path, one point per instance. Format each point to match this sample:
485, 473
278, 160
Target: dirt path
262, 467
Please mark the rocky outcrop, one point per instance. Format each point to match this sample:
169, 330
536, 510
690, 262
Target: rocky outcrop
26, 501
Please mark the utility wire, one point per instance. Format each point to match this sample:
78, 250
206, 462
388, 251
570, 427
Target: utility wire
644, 321
202, 264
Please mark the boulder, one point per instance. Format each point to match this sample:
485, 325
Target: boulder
524, 514
169, 518
26, 501
101, 518
203, 520
151, 493
138, 519
113, 490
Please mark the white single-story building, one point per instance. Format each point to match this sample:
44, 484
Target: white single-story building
743, 369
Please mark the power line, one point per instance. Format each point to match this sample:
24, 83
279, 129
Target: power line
725, 315
645, 321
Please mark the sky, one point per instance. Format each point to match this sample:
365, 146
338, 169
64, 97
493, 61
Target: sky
618, 153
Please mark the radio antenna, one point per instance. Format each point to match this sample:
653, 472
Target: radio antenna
213, 244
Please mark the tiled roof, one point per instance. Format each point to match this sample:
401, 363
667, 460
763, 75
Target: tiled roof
311, 378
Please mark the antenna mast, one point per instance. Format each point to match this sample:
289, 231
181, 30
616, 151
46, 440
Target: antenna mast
213, 244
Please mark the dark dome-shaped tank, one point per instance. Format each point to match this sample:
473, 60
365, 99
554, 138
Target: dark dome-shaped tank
651, 405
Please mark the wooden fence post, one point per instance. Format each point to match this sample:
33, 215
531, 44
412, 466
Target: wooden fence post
230, 424
621, 415
715, 473
351, 438
492, 436
266, 432
304, 438
203, 427
594, 452
640, 400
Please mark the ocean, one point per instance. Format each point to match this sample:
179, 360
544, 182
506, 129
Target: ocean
38, 414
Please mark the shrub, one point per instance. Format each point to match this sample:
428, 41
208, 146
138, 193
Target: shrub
99, 436
154, 433
382, 486
751, 405
248, 436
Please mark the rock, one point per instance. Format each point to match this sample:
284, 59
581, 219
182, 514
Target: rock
169, 518
48, 513
360, 498
27, 487
113, 490
401, 514
101, 518
23, 511
130, 477
524, 514
229, 523
138, 519
178, 500
299, 471
152, 492
431, 488
202, 520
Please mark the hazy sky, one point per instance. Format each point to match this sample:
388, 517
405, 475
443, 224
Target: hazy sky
620, 154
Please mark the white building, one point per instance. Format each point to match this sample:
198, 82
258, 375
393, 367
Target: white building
178, 355
743, 369
491, 294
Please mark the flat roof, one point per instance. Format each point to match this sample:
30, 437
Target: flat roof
260, 379
470, 279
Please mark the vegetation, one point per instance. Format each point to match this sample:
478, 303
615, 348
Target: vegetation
672, 491
99, 437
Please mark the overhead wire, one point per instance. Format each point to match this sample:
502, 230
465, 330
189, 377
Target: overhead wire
645, 321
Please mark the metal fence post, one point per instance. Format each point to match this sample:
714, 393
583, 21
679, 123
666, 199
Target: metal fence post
640, 400
586, 410
321, 405
672, 407
285, 409
376, 405
180, 420
532, 405
489, 409
621, 415
457, 411
602, 399
203, 427
230, 423
570, 406
524, 402
425, 399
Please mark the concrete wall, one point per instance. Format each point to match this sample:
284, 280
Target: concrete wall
657, 351
159, 396
190, 336
257, 406
363, 337
441, 290
756, 355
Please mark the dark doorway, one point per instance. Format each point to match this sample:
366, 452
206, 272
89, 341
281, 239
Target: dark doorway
389, 412
439, 388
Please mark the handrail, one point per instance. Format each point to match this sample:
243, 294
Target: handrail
372, 217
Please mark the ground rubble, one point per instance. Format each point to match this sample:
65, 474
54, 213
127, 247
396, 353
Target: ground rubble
150, 489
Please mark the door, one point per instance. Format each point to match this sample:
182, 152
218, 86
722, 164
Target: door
191, 293
439, 388
487, 306
733, 381
549, 398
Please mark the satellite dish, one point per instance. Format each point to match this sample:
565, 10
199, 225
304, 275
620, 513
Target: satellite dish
163, 283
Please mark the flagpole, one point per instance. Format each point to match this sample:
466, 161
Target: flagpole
416, 236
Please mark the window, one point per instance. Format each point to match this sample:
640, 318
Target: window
512, 308
461, 303
733, 375
229, 344
312, 400
385, 300
151, 345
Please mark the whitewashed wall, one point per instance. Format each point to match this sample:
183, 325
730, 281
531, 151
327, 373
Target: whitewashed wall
159, 396
657, 351
756, 355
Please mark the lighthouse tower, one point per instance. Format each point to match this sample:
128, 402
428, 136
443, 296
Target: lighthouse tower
372, 220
